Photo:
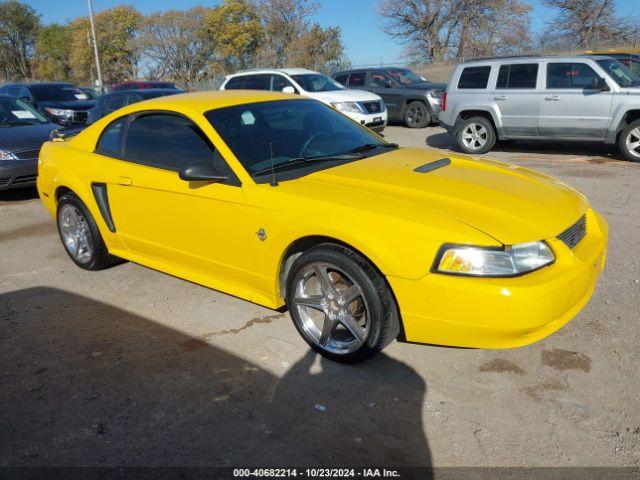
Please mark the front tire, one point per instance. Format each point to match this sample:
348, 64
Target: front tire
476, 135
80, 235
416, 115
340, 304
629, 142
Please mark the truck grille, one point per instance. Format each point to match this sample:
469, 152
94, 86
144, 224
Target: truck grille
373, 107
27, 154
576, 232
80, 117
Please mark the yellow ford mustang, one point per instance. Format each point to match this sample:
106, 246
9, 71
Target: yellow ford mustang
281, 200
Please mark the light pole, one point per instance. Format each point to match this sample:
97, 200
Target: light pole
95, 44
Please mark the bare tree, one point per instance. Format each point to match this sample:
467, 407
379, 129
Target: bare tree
19, 26
174, 45
588, 23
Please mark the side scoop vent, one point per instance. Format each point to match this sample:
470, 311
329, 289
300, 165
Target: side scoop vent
431, 166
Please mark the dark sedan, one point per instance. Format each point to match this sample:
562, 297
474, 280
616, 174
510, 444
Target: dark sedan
63, 103
409, 98
23, 130
111, 102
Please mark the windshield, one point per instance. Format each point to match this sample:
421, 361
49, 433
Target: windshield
266, 134
631, 61
57, 93
619, 72
316, 82
17, 112
405, 76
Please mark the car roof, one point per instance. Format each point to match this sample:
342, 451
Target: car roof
368, 69
288, 71
530, 58
202, 102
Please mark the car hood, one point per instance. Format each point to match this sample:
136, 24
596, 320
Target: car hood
25, 137
344, 96
507, 202
426, 86
79, 105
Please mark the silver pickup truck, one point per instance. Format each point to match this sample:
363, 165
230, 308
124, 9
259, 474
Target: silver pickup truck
577, 98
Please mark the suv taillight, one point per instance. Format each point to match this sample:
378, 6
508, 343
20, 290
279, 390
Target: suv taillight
444, 102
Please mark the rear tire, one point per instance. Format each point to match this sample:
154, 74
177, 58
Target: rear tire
416, 115
80, 235
629, 142
340, 304
476, 135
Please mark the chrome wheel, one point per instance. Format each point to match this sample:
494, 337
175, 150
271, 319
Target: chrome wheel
75, 233
475, 136
332, 310
632, 142
415, 115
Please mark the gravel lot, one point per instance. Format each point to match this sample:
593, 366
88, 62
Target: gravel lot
133, 367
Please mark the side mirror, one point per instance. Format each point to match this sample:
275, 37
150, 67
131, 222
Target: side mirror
388, 84
201, 172
600, 83
288, 89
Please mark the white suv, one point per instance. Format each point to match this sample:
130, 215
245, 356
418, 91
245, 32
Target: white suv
365, 108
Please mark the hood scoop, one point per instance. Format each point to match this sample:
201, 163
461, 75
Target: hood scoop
431, 166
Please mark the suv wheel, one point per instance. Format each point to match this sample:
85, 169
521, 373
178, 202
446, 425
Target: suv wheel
416, 115
340, 304
629, 142
476, 135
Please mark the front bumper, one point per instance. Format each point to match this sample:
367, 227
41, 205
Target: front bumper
375, 121
18, 173
504, 312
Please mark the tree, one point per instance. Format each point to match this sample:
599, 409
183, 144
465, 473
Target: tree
175, 45
19, 26
115, 32
589, 22
52, 53
235, 29
285, 21
320, 49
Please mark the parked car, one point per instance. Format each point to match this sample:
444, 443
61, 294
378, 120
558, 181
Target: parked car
578, 98
110, 102
409, 98
63, 103
281, 200
629, 57
23, 130
91, 92
142, 84
365, 108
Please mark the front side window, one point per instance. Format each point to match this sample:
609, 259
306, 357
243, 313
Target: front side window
110, 143
114, 102
620, 72
57, 93
166, 141
570, 75
519, 75
279, 83
474, 77
302, 133
17, 112
405, 76
378, 80
316, 82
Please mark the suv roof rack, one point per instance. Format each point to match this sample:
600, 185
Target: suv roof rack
500, 57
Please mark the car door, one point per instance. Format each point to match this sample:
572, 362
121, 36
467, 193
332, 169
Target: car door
391, 92
197, 227
571, 107
517, 98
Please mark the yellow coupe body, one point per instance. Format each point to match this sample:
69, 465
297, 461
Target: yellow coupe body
240, 238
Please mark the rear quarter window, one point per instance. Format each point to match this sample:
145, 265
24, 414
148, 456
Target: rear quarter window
474, 77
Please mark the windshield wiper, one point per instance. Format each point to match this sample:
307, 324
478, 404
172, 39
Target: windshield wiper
371, 146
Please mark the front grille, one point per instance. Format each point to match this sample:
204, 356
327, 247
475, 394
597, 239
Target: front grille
80, 117
372, 107
27, 154
25, 179
576, 232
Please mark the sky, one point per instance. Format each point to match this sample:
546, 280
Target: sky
366, 44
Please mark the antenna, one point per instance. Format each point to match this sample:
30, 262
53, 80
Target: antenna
274, 181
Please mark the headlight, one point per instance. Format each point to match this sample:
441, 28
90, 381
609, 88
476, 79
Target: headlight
351, 107
59, 112
487, 262
5, 155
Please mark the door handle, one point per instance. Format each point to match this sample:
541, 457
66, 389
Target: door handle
500, 97
126, 181
552, 98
